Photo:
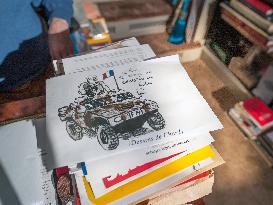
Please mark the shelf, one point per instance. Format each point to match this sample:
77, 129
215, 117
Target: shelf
258, 147
223, 72
262, 152
245, 27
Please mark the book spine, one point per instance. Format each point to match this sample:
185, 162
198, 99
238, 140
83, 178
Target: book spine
266, 146
253, 127
192, 19
268, 141
263, 7
245, 20
204, 20
268, 16
237, 118
246, 30
252, 16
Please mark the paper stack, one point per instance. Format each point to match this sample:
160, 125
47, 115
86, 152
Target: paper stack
20, 179
123, 126
130, 125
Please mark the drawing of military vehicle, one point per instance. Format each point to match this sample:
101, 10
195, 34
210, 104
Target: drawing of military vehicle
110, 117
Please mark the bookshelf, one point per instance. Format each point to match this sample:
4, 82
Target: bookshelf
235, 40
233, 83
245, 27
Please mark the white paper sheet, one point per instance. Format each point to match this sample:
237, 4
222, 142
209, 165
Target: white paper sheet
106, 59
120, 44
49, 191
20, 178
130, 42
48, 188
161, 84
103, 168
149, 190
108, 169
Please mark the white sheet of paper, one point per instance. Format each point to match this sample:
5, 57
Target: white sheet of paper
130, 42
102, 168
124, 43
120, 44
161, 84
49, 191
107, 59
112, 166
20, 178
156, 187
48, 188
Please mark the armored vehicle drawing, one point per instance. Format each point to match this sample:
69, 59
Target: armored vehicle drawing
109, 117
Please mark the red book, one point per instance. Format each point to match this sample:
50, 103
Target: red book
259, 112
263, 7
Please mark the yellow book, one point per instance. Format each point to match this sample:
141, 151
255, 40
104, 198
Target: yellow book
150, 178
105, 39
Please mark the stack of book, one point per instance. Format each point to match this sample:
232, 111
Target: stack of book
255, 119
121, 127
253, 19
253, 116
134, 128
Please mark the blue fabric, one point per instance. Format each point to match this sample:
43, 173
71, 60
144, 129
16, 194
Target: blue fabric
19, 21
28, 62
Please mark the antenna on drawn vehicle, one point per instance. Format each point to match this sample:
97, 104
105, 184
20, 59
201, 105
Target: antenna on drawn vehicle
109, 74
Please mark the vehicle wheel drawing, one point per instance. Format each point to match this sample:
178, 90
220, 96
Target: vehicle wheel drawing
156, 121
107, 137
74, 130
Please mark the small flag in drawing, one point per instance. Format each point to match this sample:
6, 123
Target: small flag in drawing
108, 74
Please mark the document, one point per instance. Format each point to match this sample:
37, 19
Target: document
120, 44
45, 158
108, 174
107, 59
19, 165
109, 111
151, 183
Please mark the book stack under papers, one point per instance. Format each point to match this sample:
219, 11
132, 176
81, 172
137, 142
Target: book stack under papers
123, 126
255, 119
253, 116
